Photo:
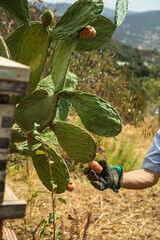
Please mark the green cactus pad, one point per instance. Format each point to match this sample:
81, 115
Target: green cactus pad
120, 12
49, 137
33, 51
104, 30
4, 51
77, 17
17, 9
14, 40
38, 108
70, 82
96, 114
60, 61
47, 17
63, 109
76, 142
46, 84
17, 135
60, 172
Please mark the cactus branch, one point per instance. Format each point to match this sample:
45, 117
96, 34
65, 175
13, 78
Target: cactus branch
60, 61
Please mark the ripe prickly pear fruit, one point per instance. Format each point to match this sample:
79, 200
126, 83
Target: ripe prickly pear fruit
93, 165
47, 17
87, 32
71, 186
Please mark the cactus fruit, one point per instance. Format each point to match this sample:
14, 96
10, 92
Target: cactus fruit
104, 30
93, 165
71, 186
47, 17
87, 32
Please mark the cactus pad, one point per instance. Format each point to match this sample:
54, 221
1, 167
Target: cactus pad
76, 142
63, 109
49, 137
46, 84
17, 9
96, 114
70, 82
60, 61
104, 30
33, 51
60, 172
38, 108
14, 40
77, 17
120, 11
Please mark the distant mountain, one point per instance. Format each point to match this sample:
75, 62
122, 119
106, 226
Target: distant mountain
141, 30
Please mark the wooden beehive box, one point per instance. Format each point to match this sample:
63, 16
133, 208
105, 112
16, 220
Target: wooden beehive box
13, 81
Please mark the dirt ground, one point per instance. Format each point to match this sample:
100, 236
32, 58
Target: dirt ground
88, 213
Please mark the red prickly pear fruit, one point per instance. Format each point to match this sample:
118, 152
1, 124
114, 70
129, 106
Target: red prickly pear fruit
47, 17
87, 32
93, 165
71, 186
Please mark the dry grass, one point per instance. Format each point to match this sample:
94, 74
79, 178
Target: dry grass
88, 213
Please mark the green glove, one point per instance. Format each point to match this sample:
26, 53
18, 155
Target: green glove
110, 177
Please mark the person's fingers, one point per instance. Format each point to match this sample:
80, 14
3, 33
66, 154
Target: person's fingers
97, 185
93, 176
103, 163
86, 170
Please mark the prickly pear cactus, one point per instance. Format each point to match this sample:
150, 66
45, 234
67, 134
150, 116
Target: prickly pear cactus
33, 50
18, 10
43, 156
39, 108
77, 17
120, 12
41, 117
96, 114
78, 144
14, 39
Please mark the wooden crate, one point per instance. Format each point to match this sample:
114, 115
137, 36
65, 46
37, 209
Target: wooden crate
13, 81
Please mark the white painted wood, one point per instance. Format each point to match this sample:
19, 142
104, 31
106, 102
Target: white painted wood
11, 70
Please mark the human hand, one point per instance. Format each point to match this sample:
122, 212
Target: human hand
109, 177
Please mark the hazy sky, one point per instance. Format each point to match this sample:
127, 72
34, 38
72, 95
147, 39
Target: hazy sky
134, 5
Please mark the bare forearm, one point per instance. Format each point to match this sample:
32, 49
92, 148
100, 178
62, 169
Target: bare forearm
140, 179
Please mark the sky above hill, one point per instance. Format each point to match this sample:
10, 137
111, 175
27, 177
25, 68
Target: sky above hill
134, 5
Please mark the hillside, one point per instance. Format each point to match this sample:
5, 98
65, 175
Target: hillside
141, 30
